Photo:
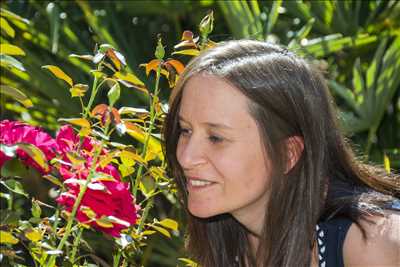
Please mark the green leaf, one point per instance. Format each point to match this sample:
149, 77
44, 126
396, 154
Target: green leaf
12, 50
113, 94
53, 179
36, 210
6, 27
273, 15
16, 94
160, 52
7, 238
59, 73
11, 15
14, 186
10, 61
161, 230
104, 47
189, 52
358, 81
35, 153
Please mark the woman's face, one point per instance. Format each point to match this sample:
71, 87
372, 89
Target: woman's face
221, 151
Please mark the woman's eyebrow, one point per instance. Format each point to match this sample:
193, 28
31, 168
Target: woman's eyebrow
209, 124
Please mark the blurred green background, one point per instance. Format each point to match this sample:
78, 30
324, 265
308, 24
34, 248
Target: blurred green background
355, 43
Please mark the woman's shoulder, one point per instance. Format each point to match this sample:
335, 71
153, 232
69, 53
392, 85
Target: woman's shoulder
381, 247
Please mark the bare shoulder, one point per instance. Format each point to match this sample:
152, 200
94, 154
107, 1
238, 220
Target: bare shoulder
382, 246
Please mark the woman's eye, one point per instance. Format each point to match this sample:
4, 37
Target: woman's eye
184, 131
215, 139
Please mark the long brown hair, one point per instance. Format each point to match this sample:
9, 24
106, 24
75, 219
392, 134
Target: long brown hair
288, 97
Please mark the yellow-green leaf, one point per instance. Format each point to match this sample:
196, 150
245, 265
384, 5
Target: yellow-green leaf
169, 223
53, 179
161, 230
190, 52
78, 90
33, 235
129, 77
126, 170
7, 238
36, 154
386, 163
59, 73
16, 94
129, 158
88, 212
77, 121
5, 26
12, 50
104, 222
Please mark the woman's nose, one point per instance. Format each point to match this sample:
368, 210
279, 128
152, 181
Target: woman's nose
191, 153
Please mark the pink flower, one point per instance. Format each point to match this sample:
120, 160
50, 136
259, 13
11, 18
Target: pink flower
110, 199
12, 132
103, 198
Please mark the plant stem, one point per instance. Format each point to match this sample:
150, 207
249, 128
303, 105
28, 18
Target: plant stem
153, 116
92, 96
149, 204
75, 245
78, 200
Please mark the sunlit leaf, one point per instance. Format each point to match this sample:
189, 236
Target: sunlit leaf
14, 186
85, 57
179, 67
169, 223
97, 187
114, 219
129, 77
152, 65
16, 94
88, 212
36, 210
117, 59
78, 90
154, 145
6, 27
161, 230
75, 159
188, 262
102, 177
36, 154
8, 14
104, 47
59, 73
33, 234
104, 222
386, 163
113, 94
77, 121
129, 158
126, 170
7, 238
132, 111
12, 50
189, 52
53, 179
10, 61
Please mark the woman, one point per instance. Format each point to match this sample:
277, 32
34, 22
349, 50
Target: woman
266, 176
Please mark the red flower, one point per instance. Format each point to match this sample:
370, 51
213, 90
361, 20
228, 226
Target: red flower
107, 205
108, 199
12, 132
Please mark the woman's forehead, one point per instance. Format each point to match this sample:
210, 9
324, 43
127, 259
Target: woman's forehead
211, 100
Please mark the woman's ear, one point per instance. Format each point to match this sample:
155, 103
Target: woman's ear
294, 148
